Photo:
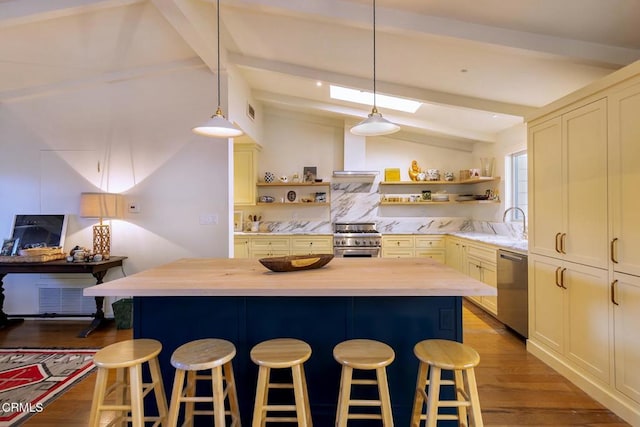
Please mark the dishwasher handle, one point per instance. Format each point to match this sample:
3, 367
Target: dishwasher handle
512, 256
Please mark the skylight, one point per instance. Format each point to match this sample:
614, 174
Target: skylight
366, 98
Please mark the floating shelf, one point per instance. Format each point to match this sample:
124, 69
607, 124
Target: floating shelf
450, 202
293, 184
292, 204
465, 181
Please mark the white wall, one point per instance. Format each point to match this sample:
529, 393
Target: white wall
139, 131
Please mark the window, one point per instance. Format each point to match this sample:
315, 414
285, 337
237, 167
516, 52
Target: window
518, 184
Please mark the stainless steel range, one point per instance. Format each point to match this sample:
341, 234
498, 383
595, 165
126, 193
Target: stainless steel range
356, 239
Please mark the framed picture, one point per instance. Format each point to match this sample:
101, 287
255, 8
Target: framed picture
9, 247
309, 173
238, 221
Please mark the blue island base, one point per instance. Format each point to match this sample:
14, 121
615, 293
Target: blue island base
322, 322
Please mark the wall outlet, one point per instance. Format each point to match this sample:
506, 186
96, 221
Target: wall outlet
208, 219
133, 207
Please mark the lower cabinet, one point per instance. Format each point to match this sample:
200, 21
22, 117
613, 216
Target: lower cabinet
260, 246
456, 253
570, 314
626, 301
482, 265
409, 246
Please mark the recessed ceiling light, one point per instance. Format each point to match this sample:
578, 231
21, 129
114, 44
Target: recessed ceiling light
318, 83
366, 98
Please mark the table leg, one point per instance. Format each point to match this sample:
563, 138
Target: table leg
4, 320
98, 317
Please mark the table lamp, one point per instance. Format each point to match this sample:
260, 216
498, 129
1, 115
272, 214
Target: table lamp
103, 206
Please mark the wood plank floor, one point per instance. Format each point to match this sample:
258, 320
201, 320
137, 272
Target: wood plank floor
516, 389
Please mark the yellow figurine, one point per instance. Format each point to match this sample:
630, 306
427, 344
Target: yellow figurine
414, 170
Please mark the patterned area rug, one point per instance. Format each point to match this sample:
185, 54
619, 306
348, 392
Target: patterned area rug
32, 378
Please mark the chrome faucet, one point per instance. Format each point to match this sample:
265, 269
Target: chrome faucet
524, 219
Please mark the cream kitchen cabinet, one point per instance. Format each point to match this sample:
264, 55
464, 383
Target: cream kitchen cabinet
241, 247
568, 185
308, 245
408, 246
626, 300
268, 246
481, 263
431, 247
571, 314
245, 171
398, 246
624, 167
456, 253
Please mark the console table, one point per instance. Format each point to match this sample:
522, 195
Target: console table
96, 269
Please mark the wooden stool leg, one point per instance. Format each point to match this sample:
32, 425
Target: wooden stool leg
306, 397
418, 401
298, 390
217, 387
385, 398
232, 393
261, 397
98, 397
345, 396
176, 394
137, 407
121, 393
460, 396
158, 388
472, 389
433, 396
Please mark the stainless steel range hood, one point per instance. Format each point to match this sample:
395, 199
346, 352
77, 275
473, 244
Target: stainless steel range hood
354, 158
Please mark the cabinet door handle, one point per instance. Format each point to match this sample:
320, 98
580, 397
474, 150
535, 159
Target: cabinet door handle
562, 243
557, 277
613, 292
614, 247
558, 242
562, 278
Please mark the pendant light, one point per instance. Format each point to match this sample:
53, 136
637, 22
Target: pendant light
218, 126
374, 124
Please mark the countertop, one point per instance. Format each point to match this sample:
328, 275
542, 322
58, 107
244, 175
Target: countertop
341, 277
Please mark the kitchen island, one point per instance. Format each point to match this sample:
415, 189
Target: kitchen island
399, 301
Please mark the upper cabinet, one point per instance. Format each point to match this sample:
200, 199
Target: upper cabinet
624, 172
568, 164
245, 171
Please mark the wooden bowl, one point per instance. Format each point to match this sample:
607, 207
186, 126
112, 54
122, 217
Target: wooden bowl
296, 262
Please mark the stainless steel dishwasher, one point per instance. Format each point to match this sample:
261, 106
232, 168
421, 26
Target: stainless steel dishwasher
513, 306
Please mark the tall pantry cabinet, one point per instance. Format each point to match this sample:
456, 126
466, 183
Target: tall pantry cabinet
584, 239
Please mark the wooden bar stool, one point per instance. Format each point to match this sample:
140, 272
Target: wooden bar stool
215, 356
434, 356
127, 358
366, 355
277, 354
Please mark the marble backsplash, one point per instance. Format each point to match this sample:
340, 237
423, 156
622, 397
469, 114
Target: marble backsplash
360, 202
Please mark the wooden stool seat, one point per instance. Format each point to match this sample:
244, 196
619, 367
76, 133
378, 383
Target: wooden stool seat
214, 355
363, 354
435, 356
126, 358
281, 353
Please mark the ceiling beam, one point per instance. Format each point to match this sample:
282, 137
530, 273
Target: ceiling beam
411, 92
394, 20
19, 12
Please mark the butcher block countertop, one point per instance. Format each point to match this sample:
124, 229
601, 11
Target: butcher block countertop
341, 277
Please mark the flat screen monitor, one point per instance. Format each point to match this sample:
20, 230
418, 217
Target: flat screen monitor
38, 230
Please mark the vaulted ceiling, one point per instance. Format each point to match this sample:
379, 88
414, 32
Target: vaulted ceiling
477, 66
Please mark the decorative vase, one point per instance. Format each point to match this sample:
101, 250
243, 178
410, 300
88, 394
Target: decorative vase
269, 177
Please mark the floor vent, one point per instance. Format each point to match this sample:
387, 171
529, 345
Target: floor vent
65, 301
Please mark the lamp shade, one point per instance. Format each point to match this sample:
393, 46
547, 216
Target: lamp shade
102, 205
374, 125
218, 127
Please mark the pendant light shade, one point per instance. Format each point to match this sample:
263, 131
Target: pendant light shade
375, 124
218, 126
